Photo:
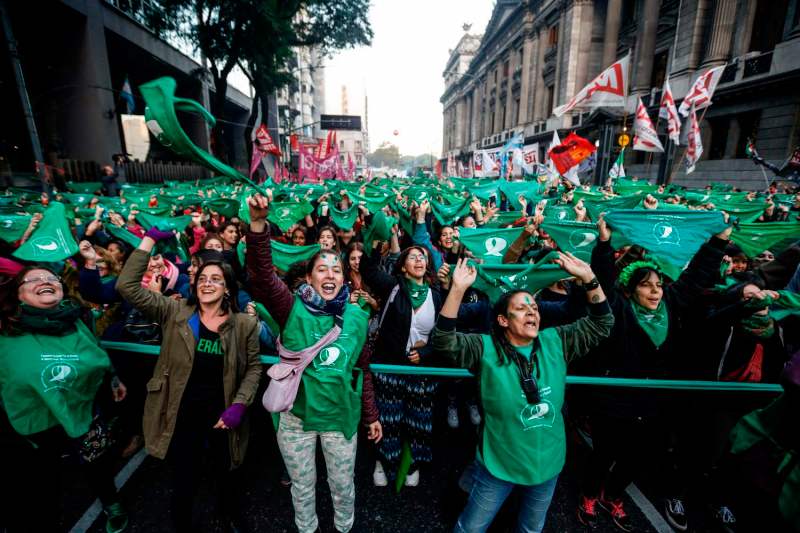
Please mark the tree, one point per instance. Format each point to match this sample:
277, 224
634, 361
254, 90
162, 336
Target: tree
386, 155
259, 36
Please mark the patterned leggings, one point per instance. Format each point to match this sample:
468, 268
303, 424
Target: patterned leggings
406, 413
298, 448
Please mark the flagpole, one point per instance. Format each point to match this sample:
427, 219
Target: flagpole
683, 155
650, 154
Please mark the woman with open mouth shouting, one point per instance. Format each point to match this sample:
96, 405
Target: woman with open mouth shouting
207, 374
521, 375
56, 387
317, 385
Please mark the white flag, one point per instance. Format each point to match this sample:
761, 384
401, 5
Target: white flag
701, 92
668, 111
645, 137
694, 145
609, 89
618, 169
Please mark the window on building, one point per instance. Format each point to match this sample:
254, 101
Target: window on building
491, 129
359, 161
628, 12
516, 111
659, 69
505, 68
748, 129
341, 145
495, 76
720, 127
549, 100
519, 56
358, 146
768, 25
552, 36
503, 123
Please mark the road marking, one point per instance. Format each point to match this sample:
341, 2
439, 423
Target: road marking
94, 510
646, 506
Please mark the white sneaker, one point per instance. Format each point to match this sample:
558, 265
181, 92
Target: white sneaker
474, 415
452, 416
378, 476
412, 480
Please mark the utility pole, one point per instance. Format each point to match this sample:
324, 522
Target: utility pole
25, 100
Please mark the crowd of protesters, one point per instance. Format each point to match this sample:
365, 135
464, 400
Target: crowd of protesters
217, 274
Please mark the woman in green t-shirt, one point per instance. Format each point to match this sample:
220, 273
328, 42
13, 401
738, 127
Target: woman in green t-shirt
55, 387
325, 326
521, 375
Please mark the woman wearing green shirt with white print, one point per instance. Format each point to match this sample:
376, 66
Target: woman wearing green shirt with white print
521, 373
328, 400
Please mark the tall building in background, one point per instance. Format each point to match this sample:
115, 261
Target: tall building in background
302, 101
534, 56
353, 144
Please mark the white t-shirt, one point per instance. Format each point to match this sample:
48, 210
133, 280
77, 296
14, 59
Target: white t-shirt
422, 322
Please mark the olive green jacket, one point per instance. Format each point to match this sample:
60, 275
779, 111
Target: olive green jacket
241, 366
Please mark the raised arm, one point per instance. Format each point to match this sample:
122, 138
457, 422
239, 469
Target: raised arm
266, 286
603, 261
129, 284
702, 272
376, 279
520, 244
586, 333
464, 350
421, 236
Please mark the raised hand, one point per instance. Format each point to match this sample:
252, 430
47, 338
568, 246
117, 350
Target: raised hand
576, 267
604, 232
87, 251
464, 275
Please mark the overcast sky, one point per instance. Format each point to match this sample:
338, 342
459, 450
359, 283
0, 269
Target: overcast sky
402, 71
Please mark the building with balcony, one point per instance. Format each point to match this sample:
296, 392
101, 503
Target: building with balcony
535, 54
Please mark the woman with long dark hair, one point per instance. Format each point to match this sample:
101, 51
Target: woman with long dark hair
207, 374
521, 375
317, 386
56, 384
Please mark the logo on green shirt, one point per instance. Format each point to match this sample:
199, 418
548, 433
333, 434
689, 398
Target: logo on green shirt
540, 414
60, 372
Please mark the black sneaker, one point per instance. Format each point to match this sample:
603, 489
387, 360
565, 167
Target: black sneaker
724, 518
587, 513
617, 512
675, 513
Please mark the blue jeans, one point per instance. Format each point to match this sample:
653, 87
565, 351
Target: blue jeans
488, 494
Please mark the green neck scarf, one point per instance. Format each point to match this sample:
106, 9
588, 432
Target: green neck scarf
761, 326
416, 292
56, 321
654, 322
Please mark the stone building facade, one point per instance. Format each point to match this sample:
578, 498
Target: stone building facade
535, 54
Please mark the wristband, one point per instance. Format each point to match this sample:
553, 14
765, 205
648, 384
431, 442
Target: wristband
592, 285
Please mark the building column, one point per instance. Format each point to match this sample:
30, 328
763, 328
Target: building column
583, 20
525, 79
719, 45
611, 39
691, 29
646, 46
90, 122
539, 88
792, 28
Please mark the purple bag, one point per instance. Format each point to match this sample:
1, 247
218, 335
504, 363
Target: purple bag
282, 390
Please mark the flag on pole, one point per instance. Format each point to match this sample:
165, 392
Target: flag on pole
618, 168
514, 144
694, 148
701, 92
127, 94
608, 89
460, 169
437, 168
571, 152
668, 111
645, 137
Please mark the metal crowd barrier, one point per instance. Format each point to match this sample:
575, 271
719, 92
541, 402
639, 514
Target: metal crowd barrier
462, 373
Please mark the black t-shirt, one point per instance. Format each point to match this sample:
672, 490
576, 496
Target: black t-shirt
205, 386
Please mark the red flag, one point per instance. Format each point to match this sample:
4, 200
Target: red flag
645, 137
571, 152
701, 92
265, 143
293, 142
437, 168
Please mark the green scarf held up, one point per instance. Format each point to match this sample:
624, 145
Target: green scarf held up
761, 326
418, 293
655, 323
342, 218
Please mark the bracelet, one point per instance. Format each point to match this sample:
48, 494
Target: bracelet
592, 285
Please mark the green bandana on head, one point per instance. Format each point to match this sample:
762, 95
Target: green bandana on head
655, 323
52, 239
417, 292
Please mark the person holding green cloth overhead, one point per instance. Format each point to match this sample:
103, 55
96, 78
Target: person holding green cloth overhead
629, 429
56, 392
521, 374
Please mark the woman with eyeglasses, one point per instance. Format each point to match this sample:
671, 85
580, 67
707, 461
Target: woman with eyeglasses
521, 375
56, 384
317, 386
207, 374
412, 301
